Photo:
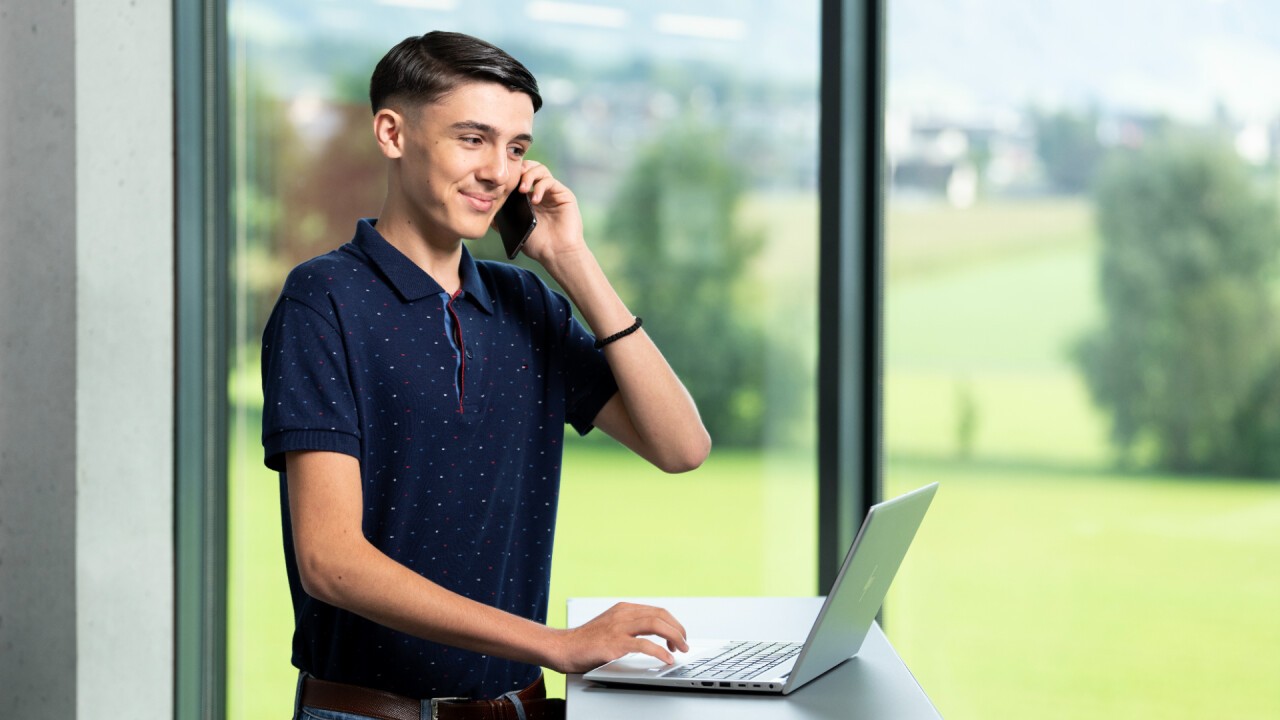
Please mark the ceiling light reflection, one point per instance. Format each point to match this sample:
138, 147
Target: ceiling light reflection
577, 14
422, 4
702, 26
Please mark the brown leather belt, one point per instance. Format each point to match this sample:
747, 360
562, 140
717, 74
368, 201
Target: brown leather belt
530, 703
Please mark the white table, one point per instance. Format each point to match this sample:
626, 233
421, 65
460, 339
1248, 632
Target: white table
874, 684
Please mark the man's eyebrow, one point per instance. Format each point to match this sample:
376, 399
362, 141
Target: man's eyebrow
487, 129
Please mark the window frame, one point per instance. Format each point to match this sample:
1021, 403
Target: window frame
851, 287
201, 286
850, 300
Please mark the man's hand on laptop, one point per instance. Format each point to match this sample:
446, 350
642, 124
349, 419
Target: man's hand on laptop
616, 632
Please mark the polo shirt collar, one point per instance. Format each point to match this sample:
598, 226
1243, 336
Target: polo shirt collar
410, 281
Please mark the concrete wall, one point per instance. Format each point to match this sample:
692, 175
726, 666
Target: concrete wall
37, 360
86, 359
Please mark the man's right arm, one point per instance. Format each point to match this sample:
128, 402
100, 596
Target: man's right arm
339, 566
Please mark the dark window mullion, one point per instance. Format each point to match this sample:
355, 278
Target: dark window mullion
200, 100
850, 274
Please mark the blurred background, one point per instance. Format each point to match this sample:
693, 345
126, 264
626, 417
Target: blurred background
1081, 340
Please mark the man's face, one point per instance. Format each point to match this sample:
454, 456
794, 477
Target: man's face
463, 155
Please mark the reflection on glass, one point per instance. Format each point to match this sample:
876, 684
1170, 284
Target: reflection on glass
1082, 346
689, 134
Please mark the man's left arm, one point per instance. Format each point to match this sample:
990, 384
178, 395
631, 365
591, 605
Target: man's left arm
652, 413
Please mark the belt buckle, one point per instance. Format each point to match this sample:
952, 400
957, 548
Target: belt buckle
435, 704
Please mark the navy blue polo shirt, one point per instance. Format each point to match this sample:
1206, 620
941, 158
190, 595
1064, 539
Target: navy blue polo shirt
455, 407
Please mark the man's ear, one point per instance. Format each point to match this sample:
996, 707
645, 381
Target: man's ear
388, 130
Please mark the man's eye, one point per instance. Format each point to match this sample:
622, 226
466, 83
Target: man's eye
472, 140
517, 151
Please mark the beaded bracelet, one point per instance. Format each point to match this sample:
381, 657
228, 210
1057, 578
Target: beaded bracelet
619, 335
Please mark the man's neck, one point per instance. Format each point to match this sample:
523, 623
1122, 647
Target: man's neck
438, 257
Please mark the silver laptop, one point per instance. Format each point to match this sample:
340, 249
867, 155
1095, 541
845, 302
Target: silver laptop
836, 635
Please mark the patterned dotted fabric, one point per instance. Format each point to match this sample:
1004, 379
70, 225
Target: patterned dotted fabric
455, 408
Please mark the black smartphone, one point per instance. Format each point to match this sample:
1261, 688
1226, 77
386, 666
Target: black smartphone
515, 221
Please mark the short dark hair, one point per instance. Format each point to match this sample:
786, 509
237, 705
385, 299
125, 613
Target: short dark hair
423, 69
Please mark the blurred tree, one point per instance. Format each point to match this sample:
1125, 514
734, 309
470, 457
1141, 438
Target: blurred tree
308, 170
258, 207
966, 419
682, 257
1067, 144
1186, 360
335, 176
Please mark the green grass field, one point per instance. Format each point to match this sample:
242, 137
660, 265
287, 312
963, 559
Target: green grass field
1043, 583
1062, 594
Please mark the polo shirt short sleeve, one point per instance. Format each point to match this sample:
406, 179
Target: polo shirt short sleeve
455, 407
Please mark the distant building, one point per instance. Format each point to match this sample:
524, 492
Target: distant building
958, 159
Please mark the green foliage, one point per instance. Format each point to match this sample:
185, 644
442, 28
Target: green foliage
683, 256
1067, 144
1185, 361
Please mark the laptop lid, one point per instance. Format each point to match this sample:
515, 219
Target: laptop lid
840, 627
861, 585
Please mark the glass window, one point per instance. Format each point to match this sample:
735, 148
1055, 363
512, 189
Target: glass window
1082, 345
689, 133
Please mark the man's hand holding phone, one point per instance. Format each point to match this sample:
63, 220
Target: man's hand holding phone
540, 216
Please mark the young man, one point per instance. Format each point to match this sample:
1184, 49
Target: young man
416, 402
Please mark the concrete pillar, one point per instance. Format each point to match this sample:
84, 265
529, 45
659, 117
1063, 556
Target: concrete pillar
86, 359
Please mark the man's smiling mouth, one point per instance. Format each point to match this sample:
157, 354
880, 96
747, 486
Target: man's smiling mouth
481, 202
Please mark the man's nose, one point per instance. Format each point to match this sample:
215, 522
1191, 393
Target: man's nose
496, 168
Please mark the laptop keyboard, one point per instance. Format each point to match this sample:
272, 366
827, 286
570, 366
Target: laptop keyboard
738, 661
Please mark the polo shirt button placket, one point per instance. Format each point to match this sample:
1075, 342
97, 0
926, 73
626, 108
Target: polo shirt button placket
460, 345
